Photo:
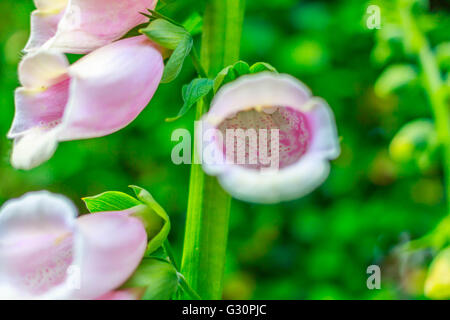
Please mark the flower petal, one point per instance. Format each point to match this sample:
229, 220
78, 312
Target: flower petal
325, 139
35, 147
43, 27
113, 246
278, 185
129, 294
91, 24
42, 69
110, 87
42, 109
36, 241
261, 90
50, 5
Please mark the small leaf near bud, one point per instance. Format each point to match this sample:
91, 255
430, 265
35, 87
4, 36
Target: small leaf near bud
156, 277
238, 69
192, 93
165, 33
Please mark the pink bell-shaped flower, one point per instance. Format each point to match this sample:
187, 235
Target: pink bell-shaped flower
99, 94
81, 26
267, 139
47, 253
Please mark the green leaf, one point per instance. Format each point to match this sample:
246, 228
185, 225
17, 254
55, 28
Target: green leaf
393, 78
261, 67
152, 215
237, 70
110, 201
158, 277
176, 60
173, 37
192, 93
220, 78
241, 68
165, 33
161, 233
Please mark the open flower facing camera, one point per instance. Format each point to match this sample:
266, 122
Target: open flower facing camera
273, 140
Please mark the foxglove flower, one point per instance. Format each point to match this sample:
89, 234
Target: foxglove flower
96, 96
81, 26
288, 138
128, 294
48, 253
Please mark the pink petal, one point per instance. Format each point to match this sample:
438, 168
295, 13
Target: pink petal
43, 27
42, 109
98, 95
130, 294
113, 246
110, 87
36, 242
91, 24
45, 253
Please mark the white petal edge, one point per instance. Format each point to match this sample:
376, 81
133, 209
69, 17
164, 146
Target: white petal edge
275, 186
34, 148
43, 68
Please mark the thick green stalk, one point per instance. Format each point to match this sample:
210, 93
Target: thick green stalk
206, 232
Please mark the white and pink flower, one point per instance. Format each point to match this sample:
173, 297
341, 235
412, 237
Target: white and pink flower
48, 253
81, 26
99, 94
306, 138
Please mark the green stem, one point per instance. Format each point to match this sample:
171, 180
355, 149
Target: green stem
436, 94
168, 249
187, 288
434, 85
209, 205
197, 65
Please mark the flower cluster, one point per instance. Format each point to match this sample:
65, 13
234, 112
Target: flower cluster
97, 95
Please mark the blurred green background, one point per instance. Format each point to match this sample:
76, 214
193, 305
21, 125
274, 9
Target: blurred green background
317, 247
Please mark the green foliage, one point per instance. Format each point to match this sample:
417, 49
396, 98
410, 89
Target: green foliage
157, 277
237, 70
165, 33
153, 216
154, 208
193, 92
176, 60
173, 37
415, 146
394, 77
110, 201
